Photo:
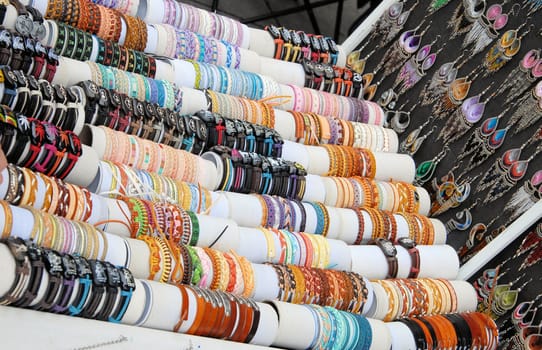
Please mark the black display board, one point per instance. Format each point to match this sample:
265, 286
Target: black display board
448, 49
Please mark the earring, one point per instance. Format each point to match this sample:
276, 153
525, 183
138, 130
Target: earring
426, 169
524, 198
400, 120
437, 5
530, 110
521, 77
464, 16
510, 177
450, 195
405, 145
391, 23
464, 117
441, 79
455, 94
504, 50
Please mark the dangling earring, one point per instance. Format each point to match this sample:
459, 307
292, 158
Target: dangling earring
478, 137
504, 50
441, 79
411, 138
486, 28
464, 117
464, 16
400, 120
465, 215
416, 68
509, 179
449, 195
531, 109
407, 44
524, 198
493, 142
413, 148
522, 76
457, 91
426, 169
391, 23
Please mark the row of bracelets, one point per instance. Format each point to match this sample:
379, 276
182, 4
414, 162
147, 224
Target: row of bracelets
179, 226
118, 180
293, 46
324, 103
314, 129
248, 172
151, 156
161, 92
235, 107
211, 269
183, 16
355, 192
278, 212
234, 82
453, 331
39, 99
333, 79
27, 54
194, 133
76, 286
97, 289
414, 297
76, 44
38, 145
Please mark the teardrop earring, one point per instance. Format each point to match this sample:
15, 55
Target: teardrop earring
438, 84
509, 179
504, 50
524, 198
530, 110
465, 216
519, 79
426, 169
456, 92
465, 116
411, 138
481, 133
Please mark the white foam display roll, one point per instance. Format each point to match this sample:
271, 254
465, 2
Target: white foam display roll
166, 306
137, 304
296, 152
266, 283
341, 58
223, 234
296, 329
165, 71
238, 204
334, 229
401, 336
220, 207
283, 72
466, 296
268, 326
438, 261
261, 42
117, 253
117, 211
85, 169
4, 175
349, 225
318, 159
285, 124
193, 101
315, 190
440, 231
331, 191
252, 245
139, 264
250, 61
340, 258
208, 175
8, 269
387, 165
381, 335
381, 303
288, 104
70, 72
425, 201
94, 137
185, 75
